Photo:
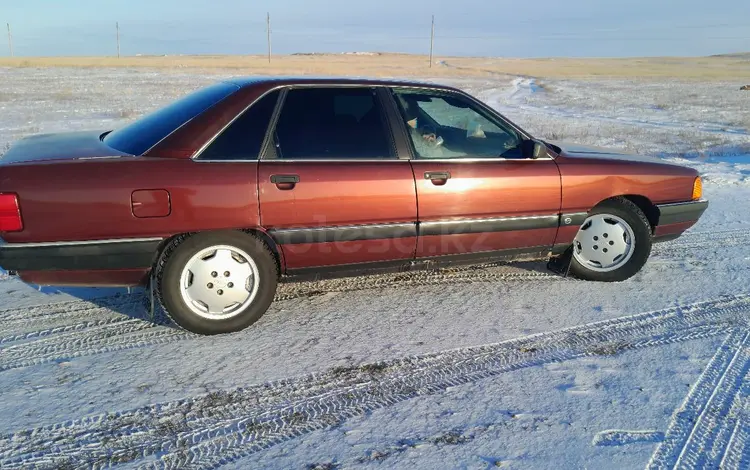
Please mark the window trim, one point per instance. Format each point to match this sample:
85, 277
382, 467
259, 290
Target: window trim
268, 149
404, 134
404, 148
196, 156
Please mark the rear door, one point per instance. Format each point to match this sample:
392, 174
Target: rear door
332, 189
477, 195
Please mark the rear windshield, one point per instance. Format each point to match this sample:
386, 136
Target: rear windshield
141, 135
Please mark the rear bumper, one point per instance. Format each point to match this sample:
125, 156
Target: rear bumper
678, 217
119, 254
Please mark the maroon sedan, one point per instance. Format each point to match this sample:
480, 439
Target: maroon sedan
215, 198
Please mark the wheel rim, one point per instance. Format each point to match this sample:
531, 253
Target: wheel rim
219, 282
604, 243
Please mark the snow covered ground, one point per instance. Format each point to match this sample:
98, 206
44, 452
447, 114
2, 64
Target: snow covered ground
503, 366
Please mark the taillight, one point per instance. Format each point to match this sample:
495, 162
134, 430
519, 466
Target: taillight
697, 188
10, 213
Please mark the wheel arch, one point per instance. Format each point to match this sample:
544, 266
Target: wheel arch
643, 203
254, 231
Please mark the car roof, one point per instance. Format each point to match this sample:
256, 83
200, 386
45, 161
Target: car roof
276, 80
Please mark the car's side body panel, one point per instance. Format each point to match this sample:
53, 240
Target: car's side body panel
486, 205
92, 200
79, 222
339, 212
588, 181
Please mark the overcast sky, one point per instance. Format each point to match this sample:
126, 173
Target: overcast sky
538, 28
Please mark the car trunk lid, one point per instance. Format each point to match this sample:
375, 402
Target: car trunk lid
60, 146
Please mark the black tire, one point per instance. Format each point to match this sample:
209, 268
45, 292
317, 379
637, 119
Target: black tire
633, 216
178, 253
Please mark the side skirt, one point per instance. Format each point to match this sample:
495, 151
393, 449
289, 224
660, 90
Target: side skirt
421, 264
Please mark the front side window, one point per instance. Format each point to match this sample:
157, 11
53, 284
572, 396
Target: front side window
446, 125
336, 122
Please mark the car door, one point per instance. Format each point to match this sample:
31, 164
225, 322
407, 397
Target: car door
477, 195
332, 190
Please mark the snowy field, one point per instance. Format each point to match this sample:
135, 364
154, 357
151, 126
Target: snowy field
504, 366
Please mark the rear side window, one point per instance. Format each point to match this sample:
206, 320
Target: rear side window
243, 138
144, 133
336, 122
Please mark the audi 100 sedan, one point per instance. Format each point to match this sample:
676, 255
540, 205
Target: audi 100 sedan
217, 197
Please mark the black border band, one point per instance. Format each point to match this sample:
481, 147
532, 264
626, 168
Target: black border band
404, 230
681, 212
573, 219
122, 254
343, 234
508, 224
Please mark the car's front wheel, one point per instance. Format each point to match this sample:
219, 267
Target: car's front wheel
212, 283
613, 243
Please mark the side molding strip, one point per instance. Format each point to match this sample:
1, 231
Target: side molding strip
6, 245
343, 234
507, 224
403, 230
573, 219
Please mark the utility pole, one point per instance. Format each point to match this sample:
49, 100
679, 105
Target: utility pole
268, 34
10, 40
117, 27
432, 38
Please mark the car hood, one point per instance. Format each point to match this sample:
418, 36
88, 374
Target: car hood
573, 150
59, 146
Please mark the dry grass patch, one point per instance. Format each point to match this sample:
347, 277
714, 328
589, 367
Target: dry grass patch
406, 65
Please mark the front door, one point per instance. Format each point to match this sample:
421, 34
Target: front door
477, 194
332, 191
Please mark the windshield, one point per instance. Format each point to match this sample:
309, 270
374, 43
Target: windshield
139, 136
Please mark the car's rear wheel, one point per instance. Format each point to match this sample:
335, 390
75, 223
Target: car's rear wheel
212, 283
613, 243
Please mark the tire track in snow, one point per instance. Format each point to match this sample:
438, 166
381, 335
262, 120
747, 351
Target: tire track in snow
696, 240
704, 430
72, 307
738, 450
719, 432
49, 331
96, 321
46, 333
21, 324
209, 430
127, 334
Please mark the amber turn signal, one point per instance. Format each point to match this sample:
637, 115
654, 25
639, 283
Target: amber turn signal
697, 188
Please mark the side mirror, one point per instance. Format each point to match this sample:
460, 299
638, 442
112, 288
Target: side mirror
534, 149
